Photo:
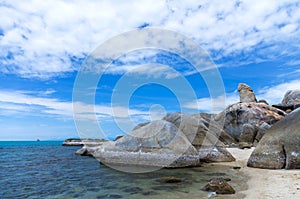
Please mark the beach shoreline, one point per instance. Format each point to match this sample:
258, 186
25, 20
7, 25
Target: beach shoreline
265, 183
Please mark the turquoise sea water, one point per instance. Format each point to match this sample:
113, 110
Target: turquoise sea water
48, 170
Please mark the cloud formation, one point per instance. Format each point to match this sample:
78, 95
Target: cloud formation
275, 94
42, 39
23, 104
272, 94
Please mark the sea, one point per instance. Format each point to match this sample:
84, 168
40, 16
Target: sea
46, 169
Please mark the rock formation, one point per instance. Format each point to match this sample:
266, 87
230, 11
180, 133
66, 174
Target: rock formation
261, 132
86, 151
242, 120
161, 144
291, 97
279, 148
195, 128
290, 102
246, 93
183, 140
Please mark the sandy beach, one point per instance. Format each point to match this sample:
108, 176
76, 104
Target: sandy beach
264, 183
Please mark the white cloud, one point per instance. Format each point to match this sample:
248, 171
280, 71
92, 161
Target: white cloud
275, 94
148, 70
213, 105
41, 37
20, 103
272, 94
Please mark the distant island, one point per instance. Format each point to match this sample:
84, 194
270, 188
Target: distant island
81, 142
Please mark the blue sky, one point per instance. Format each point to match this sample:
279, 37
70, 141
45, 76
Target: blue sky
44, 43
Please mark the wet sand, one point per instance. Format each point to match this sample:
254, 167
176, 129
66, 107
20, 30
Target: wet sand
264, 183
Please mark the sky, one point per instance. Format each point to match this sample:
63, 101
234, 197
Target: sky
46, 45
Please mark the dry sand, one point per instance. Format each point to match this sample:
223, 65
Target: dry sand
264, 183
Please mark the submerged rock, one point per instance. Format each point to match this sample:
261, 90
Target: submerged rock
280, 146
170, 179
220, 186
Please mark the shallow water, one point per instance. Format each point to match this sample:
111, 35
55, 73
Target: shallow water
48, 170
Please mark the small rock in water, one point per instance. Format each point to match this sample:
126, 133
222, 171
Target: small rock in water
170, 179
133, 190
164, 188
109, 196
226, 179
216, 174
220, 186
148, 193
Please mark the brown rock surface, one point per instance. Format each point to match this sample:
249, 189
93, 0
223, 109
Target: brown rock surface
220, 186
246, 93
237, 115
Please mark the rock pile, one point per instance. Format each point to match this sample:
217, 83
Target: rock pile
245, 121
183, 140
163, 144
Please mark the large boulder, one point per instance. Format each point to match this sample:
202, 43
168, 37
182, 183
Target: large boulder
195, 128
215, 128
291, 97
246, 93
261, 132
159, 136
160, 144
291, 101
280, 146
242, 120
